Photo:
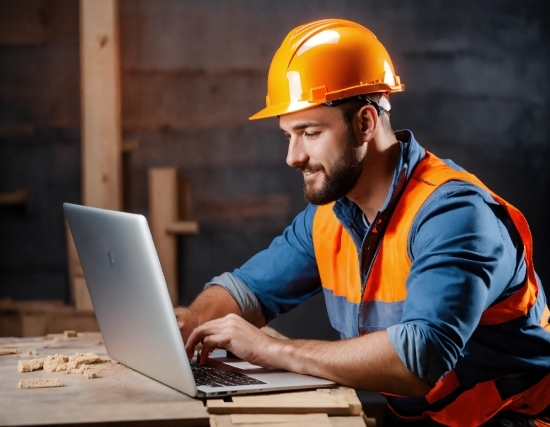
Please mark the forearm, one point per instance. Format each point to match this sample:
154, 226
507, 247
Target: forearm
213, 303
368, 363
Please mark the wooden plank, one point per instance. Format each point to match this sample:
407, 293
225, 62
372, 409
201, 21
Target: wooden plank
183, 227
270, 420
349, 394
163, 211
17, 197
101, 119
289, 403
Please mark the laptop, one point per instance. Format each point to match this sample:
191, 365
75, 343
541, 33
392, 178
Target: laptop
136, 317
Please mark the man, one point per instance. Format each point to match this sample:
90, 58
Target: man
427, 274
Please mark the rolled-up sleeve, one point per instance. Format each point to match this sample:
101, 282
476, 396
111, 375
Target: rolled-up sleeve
280, 277
465, 254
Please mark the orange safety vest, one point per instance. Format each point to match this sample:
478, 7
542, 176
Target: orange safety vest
339, 265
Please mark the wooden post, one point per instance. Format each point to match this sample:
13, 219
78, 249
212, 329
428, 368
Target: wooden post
101, 117
164, 215
101, 128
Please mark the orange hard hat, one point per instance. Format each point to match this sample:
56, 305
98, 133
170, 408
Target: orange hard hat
323, 61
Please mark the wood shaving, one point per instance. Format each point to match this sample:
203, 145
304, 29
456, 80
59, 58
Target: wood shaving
5, 351
69, 334
39, 383
30, 365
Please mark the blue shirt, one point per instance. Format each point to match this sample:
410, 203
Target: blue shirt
466, 255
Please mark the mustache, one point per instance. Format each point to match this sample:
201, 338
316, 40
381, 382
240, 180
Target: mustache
304, 167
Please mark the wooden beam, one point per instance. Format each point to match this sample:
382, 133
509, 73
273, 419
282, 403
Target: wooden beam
183, 227
101, 114
101, 121
163, 211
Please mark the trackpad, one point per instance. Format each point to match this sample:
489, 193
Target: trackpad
242, 365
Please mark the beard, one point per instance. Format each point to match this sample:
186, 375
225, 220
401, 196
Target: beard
342, 178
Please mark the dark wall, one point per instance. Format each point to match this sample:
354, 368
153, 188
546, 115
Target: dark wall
477, 91
39, 143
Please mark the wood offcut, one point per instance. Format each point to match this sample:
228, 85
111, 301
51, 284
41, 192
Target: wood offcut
40, 383
305, 402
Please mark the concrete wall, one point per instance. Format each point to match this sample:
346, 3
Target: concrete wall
476, 74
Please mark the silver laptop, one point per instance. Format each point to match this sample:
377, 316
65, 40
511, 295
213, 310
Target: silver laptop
136, 317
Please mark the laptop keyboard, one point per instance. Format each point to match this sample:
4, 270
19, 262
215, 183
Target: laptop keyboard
205, 375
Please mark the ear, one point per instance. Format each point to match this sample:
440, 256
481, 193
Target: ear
367, 118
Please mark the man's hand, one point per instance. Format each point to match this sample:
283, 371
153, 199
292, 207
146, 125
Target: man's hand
187, 321
212, 303
235, 334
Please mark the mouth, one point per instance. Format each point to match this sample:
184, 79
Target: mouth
312, 170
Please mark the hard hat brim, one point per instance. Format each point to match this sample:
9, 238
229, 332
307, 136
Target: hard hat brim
280, 109
293, 106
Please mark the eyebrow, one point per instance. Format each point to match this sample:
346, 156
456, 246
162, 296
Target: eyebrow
301, 126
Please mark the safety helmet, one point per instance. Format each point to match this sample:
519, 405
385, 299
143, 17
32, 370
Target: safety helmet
323, 61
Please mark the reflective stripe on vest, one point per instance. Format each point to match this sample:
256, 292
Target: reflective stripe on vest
338, 264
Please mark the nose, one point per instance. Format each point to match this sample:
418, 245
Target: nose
296, 154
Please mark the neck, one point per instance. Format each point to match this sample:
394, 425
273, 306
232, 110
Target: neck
379, 163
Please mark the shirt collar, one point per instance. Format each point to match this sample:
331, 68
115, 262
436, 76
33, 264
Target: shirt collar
411, 153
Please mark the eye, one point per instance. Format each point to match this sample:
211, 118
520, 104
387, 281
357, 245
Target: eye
311, 135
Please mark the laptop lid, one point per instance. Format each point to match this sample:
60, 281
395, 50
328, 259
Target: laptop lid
133, 308
129, 294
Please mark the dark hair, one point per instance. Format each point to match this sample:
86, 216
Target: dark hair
350, 106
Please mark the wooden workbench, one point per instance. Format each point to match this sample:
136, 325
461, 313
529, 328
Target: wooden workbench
123, 397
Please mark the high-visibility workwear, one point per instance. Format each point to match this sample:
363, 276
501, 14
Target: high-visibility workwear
324, 61
385, 290
467, 258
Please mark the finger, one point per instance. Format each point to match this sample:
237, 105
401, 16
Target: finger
210, 343
209, 328
192, 342
197, 336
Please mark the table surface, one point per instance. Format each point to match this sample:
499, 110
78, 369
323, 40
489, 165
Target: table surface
120, 396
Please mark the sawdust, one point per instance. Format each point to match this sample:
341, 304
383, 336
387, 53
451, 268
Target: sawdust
56, 363
39, 383
30, 365
79, 363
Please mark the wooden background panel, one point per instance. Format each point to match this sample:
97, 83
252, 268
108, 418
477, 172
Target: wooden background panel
181, 100
37, 22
